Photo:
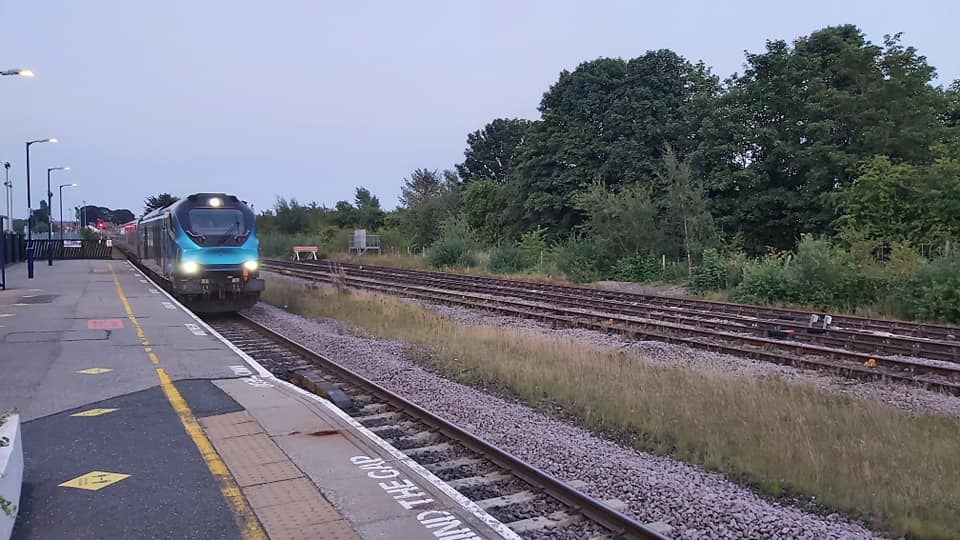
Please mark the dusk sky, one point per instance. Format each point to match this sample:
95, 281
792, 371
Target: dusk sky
310, 99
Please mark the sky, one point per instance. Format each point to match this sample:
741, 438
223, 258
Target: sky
310, 99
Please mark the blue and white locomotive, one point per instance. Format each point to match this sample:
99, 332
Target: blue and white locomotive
204, 249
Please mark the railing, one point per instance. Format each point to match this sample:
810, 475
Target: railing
14, 248
73, 249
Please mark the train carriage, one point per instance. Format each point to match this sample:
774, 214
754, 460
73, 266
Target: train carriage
203, 248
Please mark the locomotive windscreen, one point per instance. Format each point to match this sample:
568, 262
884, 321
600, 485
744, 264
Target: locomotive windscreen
215, 225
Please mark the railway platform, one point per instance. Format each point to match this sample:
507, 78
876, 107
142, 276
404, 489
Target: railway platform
140, 421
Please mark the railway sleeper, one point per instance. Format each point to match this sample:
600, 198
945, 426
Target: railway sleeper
556, 519
407, 424
420, 437
487, 479
420, 450
442, 466
507, 500
370, 417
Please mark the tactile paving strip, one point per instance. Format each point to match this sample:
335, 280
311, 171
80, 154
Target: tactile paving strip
288, 504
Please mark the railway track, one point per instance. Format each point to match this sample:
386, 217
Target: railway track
897, 328
872, 342
850, 354
530, 502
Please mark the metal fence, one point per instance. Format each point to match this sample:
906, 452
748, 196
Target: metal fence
15, 248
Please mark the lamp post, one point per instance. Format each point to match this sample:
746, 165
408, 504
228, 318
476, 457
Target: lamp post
61, 207
9, 193
30, 210
20, 71
50, 214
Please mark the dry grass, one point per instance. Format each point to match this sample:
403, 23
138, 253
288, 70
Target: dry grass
901, 473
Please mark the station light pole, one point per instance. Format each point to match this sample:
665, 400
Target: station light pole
50, 214
9, 193
19, 71
30, 210
61, 207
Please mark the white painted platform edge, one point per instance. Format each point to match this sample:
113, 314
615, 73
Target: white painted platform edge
11, 472
468, 505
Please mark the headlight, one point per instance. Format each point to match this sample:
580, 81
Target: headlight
251, 265
189, 267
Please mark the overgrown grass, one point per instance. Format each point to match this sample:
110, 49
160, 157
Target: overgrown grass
860, 457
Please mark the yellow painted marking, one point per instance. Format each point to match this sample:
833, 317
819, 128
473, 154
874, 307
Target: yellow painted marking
93, 412
94, 480
247, 521
95, 370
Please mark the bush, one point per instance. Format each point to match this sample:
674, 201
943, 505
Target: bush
450, 252
506, 259
933, 293
820, 274
275, 244
763, 281
533, 245
575, 259
711, 273
637, 268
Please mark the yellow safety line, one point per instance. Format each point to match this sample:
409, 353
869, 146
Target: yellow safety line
246, 519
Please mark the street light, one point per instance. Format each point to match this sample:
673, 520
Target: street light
61, 207
30, 210
50, 214
9, 192
20, 71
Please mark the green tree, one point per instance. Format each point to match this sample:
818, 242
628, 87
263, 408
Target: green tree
290, 217
794, 127
344, 215
368, 213
686, 218
428, 198
490, 210
155, 202
896, 202
621, 222
492, 152
608, 121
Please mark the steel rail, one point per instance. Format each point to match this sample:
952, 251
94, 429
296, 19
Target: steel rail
883, 325
851, 365
864, 342
619, 524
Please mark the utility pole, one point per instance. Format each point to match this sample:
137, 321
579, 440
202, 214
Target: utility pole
9, 194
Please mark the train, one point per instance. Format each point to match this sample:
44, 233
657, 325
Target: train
203, 249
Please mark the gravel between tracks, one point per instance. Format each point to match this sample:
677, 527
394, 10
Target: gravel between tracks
897, 395
698, 504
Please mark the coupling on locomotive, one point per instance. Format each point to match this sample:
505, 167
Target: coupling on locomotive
203, 248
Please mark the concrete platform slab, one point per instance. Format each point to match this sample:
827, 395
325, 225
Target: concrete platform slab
121, 388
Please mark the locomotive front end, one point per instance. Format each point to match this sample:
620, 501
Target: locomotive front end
218, 264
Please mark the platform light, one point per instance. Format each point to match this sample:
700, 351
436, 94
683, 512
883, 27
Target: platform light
216, 201
21, 72
189, 267
251, 265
